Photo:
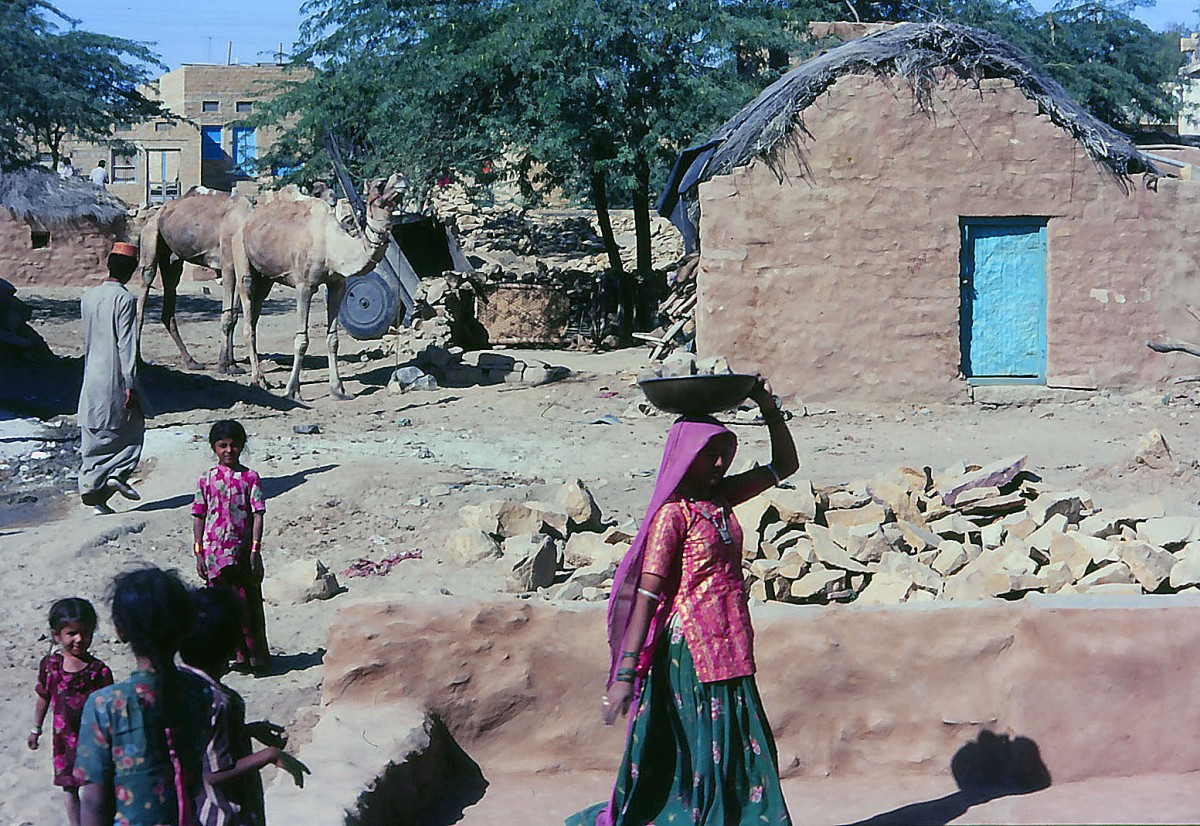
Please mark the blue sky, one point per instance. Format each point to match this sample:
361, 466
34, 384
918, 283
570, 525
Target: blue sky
200, 32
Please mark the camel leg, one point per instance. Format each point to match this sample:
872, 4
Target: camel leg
229, 317
172, 272
304, 293
334, 293
253, 296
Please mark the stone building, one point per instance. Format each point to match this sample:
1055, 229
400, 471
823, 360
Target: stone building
920, 210
206, 146
55, 231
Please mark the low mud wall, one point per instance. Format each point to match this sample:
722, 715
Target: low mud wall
1099, 686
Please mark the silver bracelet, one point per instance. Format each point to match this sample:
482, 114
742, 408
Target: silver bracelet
774, 473
36, 730
651, 594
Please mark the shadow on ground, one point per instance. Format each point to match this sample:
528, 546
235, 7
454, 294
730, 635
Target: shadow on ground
52, 389
990, 767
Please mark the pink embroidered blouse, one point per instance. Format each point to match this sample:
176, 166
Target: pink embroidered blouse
226, 498
710, 602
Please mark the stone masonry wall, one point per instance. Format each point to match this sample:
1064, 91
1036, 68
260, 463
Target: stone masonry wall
842, 280
76, 254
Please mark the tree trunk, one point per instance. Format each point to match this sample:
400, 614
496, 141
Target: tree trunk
624, 281
645, 257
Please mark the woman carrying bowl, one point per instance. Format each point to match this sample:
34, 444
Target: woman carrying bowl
699, 748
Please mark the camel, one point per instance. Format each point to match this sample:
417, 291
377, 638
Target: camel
198, 229
297, 240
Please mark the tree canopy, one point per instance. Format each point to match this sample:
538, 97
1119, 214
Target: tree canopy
1112, 64
60, 82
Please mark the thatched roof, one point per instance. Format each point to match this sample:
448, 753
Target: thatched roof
41, 197
917, 52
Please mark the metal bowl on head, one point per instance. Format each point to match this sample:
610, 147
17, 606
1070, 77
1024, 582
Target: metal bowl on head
698, 395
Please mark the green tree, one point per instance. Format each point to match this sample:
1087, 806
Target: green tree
66, 82
593, 96
1112, 64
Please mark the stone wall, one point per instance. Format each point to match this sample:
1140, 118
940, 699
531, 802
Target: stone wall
1100, 685
842, 280
76, 253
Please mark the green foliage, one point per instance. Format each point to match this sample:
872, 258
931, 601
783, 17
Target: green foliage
1114, 65
59, 82
547, 91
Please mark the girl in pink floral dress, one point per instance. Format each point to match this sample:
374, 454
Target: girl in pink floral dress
65, 679
227, 519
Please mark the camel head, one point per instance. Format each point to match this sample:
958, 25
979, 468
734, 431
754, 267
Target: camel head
386, 194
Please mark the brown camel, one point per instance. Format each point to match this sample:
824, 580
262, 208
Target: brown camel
296, 240
197, 229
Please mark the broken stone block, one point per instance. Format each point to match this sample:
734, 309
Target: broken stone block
1054, 577
765, 568
917, 538
819, 582
1040, 540
1186, 570
298, 582
992, 535
886, 589
1172, 532
554, 519
1112, 573
534, 559
1151, 565
1070, 504
903, 565
501, 517
866, 543
969, 497
713, 366
584, 549
797, 505
896, 497
583, 514
993, 505
1108, 523
1022, 529
1066, 549
979, 584
829, 552
794, 563
1115, 589
848, 499
1152, 451
761, 591
618, 535
844, 519
951, 557
997, 474
471, 545
752, 515
679, 363
953, 526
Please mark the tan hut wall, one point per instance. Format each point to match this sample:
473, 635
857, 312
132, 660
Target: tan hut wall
76, 252
843, 280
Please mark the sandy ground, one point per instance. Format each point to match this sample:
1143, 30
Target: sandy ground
389, 472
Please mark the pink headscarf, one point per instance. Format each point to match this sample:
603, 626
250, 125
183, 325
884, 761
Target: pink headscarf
685, 441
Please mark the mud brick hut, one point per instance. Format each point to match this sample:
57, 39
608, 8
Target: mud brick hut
55, 230
920, 210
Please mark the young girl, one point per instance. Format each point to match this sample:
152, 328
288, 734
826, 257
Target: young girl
227, 526
65, 679
140, 743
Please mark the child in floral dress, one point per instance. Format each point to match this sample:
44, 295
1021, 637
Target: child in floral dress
227, 517
65, 679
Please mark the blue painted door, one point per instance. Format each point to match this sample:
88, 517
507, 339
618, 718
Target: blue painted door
245, 150
1004, 299
210, 143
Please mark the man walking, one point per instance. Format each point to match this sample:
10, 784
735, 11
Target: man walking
111, 421
99, 175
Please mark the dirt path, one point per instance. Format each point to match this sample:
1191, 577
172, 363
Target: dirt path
389, 472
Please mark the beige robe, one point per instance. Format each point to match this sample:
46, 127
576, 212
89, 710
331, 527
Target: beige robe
111, 433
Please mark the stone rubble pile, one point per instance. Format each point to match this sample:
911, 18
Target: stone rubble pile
966, 533
17, 338
677, 311
563, 548
436, 367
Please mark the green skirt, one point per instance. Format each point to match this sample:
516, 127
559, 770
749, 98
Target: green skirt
697, 753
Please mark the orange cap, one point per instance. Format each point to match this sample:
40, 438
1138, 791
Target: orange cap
122, 248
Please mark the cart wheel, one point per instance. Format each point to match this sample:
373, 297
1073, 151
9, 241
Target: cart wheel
371, 305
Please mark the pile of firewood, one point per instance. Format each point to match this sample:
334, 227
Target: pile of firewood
678, 313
